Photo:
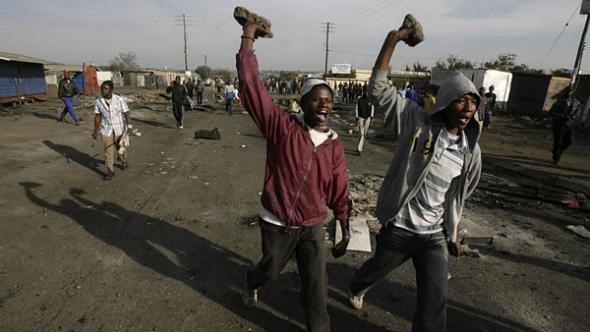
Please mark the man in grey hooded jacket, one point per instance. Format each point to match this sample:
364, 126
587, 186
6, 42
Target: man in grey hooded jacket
437, 165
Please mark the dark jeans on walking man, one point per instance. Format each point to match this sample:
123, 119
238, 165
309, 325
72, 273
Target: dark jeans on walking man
562, 137
565, 112
430, 258
177, 110
307, 245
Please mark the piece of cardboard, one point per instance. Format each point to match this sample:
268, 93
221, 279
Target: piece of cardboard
360, 237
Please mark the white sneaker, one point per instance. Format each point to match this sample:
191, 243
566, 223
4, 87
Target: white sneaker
356, 301
250, 297
180, 127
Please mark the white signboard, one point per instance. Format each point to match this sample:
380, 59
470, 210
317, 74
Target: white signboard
341, 68
585, 9
360, 236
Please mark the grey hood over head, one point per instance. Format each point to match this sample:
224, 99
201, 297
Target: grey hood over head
454, 87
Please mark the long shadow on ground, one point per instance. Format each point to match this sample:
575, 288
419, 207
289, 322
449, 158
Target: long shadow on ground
78, 157
211, 270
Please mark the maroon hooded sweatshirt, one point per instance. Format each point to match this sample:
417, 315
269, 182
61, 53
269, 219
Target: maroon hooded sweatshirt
300, 180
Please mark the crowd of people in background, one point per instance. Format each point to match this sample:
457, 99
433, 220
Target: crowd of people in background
349, 92
289, 86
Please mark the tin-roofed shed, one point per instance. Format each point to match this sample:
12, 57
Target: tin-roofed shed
21, 77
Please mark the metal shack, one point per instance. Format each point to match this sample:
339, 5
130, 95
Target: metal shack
532, 94
21, 77
501, 80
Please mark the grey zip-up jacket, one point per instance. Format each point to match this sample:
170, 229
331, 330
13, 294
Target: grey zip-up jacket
418, 133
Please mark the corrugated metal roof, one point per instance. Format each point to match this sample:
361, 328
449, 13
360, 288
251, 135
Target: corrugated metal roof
59, 67
21, 58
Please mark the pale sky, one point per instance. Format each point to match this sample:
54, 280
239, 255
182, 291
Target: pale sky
76, 31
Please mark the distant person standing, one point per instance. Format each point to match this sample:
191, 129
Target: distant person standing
564, 112
200, 89
491, 100
345, 93
429, 99
178, 91
66, 92
112, 117
190, 86
484, 106
365, 111
229, 94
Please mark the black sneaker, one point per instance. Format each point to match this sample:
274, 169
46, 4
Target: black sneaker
108, 176
124, 165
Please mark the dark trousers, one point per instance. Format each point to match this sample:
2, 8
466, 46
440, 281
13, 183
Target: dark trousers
307, 244
199, 98
562, 138
228, 105
430, 257
68, 108
177, 111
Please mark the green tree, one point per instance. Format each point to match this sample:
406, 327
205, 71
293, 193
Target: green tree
562, 72
225, 74
124, 61
204, 71
453, 62
417, 66
285, 74
505, 62
523, 68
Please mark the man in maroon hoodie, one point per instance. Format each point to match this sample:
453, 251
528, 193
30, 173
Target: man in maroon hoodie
305, 174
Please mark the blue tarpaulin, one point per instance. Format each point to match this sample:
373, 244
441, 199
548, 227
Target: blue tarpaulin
30, 79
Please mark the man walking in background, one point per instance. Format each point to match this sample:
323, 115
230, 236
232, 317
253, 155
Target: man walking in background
178, 91
229, 94
564, 113
66, 92
490, 108
200, 89
364, 114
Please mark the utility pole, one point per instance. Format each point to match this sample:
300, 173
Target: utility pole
584, 10
578, 61
327, 49
205, 56
185, 53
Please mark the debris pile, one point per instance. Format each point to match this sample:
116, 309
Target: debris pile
363, 191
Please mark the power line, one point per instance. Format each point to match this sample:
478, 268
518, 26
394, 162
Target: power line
559, 35
360, 10
167, 7
375, 10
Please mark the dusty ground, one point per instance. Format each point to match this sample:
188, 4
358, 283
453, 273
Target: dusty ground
165, 245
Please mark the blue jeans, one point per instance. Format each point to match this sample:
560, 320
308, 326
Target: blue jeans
68, 108
430, 257
228, 104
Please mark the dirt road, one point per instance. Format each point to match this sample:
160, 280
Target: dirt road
165, 245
